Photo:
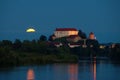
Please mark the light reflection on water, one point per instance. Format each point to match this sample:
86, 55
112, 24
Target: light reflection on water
94, 70
84, 70
73, 71
30, 74
64, 72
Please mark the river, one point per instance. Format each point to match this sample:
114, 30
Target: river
84, 70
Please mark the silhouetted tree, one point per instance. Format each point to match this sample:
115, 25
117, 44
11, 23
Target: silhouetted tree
17, 44
115, 52
43, 38
50, 37
82, 34
26, 45
6, 43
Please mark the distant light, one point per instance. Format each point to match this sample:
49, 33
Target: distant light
30, 30
95, 37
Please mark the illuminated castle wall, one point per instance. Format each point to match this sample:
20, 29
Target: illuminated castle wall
63, 32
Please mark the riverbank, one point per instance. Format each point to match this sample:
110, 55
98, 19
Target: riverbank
41, 52
18, 59
26, 59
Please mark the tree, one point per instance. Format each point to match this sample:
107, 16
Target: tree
6, 43
43, 38
17, 44
51, 37
26, 45
82, 34
115, 52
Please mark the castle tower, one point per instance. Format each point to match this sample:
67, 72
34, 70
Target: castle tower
92, 36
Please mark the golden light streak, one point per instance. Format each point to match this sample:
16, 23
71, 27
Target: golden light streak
30, 74
94, 69
73, 71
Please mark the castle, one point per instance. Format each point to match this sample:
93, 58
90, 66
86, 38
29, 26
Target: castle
71, 33
65, 32
73, 38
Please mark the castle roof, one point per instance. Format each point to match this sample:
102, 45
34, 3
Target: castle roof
66, 29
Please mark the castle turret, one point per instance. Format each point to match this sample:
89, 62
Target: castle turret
92, 36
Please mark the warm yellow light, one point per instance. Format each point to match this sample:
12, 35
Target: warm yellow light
30, 30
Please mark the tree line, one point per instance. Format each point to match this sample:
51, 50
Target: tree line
40, 51
33, 52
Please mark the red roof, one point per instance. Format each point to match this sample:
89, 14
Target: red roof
66, 29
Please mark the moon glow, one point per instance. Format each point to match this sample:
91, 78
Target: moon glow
30, 30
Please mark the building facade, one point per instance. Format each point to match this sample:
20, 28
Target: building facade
64, 32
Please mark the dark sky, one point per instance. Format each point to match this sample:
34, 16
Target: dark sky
99, 16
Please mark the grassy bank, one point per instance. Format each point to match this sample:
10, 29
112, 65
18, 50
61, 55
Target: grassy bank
18, 59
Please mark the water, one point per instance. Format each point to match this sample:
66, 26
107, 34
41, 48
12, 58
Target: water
84, 70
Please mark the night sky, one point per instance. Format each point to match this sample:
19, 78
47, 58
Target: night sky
99, 16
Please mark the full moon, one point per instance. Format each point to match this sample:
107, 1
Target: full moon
30, 30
